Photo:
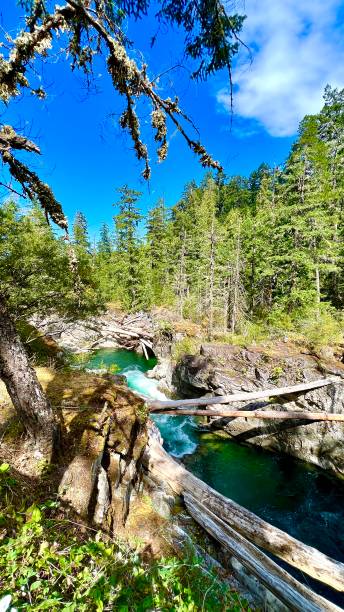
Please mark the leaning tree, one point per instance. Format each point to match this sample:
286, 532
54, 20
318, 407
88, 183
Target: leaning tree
90, 29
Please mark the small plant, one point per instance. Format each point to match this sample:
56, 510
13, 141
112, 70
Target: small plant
6, 480
186, 346
76, 360
165, 327
142, 412
323, 328
276, 373
45, 564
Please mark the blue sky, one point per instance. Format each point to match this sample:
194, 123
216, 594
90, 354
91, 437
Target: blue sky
297, 48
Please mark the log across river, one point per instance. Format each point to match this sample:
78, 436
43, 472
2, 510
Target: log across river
295, 497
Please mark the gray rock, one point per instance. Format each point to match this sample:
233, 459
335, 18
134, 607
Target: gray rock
162, 503
225, 369
162, 372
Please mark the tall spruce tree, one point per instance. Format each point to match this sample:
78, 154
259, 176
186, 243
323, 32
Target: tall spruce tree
128, 247
159, 243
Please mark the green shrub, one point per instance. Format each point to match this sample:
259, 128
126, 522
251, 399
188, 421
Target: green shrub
323, 328
46, 564
42, 350
186, 346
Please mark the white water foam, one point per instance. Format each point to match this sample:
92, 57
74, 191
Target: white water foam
178, 432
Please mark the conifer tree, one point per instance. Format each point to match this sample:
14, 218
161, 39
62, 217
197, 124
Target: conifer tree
104, 265
104, 246
159, 242
80, 232
128, 247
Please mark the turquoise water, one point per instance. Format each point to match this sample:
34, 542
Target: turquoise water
179, 433
297, 497
122, 359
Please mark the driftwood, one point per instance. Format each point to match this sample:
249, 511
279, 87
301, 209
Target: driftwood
144, 349
256, 414
305, 558
156, 405
287, 589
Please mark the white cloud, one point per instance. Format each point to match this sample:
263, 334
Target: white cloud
298, 47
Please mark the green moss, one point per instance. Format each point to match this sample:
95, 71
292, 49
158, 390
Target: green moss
14, 428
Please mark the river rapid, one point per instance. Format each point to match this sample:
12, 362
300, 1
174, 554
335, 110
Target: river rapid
297, 497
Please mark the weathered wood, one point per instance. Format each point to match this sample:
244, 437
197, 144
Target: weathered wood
306, 558
256, 414
238, 397
287, 589
144, 349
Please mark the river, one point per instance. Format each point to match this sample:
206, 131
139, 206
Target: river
299, 498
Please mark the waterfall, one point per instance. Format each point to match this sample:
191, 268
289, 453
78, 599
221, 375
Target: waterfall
178, 432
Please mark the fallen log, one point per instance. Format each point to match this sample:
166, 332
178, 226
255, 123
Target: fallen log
305, 558
239, 397
144, 349
287, 589
255, 414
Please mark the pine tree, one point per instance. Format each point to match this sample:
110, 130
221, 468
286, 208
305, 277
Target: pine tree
304, 224
159, 242
104, 246
331, 132
80, 233
128, 247
35, 278
104, 264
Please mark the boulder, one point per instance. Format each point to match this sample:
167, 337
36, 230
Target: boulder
106, 439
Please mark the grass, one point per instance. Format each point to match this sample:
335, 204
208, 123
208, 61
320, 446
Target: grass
48, 562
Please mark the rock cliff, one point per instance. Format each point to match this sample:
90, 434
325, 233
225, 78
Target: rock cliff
225, 369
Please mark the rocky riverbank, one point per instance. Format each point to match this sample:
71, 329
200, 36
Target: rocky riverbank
219, 369
216, 369
226, 369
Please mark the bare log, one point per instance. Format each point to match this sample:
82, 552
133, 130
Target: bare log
256, 414
287, 589
144, 350
305, 558
239, 397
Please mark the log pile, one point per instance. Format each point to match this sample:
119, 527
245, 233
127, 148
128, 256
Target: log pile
243, 534
109, 330
132, 331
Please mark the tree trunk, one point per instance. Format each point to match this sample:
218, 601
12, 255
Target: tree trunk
181, 280
236, 288
162, 468
24, 389
211, 280
317, 287
289, 591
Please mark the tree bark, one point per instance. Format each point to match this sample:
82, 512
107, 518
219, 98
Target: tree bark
181, 280
236, 282
287, 589
24, 389
162, 468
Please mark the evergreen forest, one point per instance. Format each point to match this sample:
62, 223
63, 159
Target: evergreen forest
243, 256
